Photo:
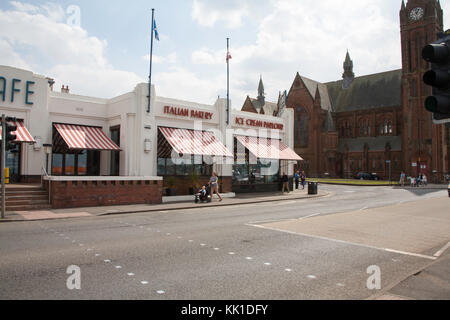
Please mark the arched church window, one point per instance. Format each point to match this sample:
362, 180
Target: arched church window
301, 128
304, 130
390, 127
385, 127
365, 127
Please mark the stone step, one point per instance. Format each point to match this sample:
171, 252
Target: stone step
38, 191
28, 208
26, 202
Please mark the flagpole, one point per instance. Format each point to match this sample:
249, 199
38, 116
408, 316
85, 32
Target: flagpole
228, 81
151, 60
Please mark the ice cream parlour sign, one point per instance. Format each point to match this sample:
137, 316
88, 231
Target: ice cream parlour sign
258, 123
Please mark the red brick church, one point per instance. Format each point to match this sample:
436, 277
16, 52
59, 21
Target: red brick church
373, 123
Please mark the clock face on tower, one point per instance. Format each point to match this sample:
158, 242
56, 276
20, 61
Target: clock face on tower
416, 14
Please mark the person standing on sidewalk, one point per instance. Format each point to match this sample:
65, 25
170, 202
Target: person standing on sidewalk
214, 184
297, 180
285, 181
303, 177
402, 179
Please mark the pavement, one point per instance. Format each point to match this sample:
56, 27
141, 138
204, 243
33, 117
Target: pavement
430, 283
241, 199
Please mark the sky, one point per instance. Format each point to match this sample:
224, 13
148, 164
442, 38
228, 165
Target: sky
101, 48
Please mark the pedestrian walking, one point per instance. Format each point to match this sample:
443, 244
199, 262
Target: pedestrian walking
285, 181
402, 179
425, 180
413, 182
303, 178
214, 183
297, 180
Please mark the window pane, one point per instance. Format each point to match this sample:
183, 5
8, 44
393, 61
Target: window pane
170, 168
161, 167
82, 164
57, 164
70, 165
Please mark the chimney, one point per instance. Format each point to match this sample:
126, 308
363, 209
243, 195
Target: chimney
65, 89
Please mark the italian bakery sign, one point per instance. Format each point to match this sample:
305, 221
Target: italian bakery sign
259, 123
186, 112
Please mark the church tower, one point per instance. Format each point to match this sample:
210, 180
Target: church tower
420, 21
261, 96
348, 75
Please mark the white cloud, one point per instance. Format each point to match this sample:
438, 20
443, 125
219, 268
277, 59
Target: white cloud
66, 53
209, 13
311, 37
171, 58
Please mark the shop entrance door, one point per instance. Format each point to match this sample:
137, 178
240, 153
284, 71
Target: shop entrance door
13, 163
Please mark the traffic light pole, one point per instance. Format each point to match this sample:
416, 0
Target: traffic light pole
3, 160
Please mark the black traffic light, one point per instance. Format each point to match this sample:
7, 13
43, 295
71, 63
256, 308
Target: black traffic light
438, 53
10, 136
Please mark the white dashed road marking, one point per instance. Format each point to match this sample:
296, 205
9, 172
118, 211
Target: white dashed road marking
440, 252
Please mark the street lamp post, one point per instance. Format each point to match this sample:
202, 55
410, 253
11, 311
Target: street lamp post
48, 150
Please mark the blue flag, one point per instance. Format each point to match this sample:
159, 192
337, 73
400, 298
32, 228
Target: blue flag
156, 30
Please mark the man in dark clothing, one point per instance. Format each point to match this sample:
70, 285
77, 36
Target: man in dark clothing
297, 180
285, 181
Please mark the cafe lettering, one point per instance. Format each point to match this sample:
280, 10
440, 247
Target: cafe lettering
259, 124
15, 89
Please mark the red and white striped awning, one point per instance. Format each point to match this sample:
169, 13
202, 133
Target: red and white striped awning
271, 149
22, 133
85, 138
198, 143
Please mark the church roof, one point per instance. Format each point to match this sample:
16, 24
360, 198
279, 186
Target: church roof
268, 106
312, 86
367, 92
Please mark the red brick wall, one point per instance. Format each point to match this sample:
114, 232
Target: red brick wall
75, 194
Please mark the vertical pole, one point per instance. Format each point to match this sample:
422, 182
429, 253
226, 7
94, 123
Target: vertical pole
3, 165
228, 81
151, 60
420, 149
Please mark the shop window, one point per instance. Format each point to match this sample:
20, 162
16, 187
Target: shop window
166, 167
57, 164
115, 155
162, 169
82, 164
70, 165
76, 164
